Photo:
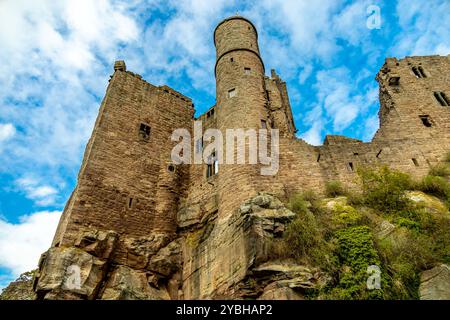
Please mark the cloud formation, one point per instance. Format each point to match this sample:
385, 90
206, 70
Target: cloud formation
22, 244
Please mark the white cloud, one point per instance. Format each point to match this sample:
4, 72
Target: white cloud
7, 131
425, 28
43, 195
22, 244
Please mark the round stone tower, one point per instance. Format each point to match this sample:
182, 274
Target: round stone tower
239, 71
241, 103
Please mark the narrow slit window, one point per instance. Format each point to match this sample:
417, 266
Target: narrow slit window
426, 121
144, 131
231, 93
130, 203
231, 59
212, 166
199, 145
416, 163
417, 72
247, 70
350, 166
422, 72
379, 153
264, 124
442, 98
318, 158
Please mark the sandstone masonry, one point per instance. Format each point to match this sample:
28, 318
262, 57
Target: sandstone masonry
141, 227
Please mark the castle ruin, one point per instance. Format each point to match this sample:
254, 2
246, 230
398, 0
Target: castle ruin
139, 226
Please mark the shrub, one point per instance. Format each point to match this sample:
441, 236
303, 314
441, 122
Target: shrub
345, 215
334, 189
384, 189
408, 223
356, 252
435, 185
298, 204
447, 157
406, 254
440, 170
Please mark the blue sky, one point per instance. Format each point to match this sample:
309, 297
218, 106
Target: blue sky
57, 57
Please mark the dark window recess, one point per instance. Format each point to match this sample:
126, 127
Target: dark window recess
213, 165
350, 166
379, 153
144, 131
394, 80
355, 153
171, 168
210, 113
231, 59
247, 70
264, 124
268, 94
318, 158
199, 145
416, 163
419, 72
131, 203
426, 121
442, 98
422, 72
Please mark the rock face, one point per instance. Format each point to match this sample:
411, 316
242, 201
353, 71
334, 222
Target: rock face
435, 283
128, 284
215, 264
216, 258
69, 272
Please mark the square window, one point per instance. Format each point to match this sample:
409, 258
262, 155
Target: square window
247, 70
144, 131
231, 93
426, 121
264, 124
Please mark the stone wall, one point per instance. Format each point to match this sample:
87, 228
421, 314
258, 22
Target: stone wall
187, 234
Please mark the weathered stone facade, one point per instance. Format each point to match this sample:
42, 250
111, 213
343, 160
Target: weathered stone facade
142, 227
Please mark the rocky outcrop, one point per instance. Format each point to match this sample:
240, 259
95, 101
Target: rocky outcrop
86, 269
219, 255
128, 284
429, 202
69, 273
140, 250
21, 289
435, 283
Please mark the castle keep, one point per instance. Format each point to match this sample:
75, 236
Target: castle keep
139, 226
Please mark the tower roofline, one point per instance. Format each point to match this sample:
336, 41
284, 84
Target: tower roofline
234, 18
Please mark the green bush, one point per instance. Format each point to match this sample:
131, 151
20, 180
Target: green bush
334, 189
440, 170
405, 255
384, 189
298, 204
435, 185
356, 252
